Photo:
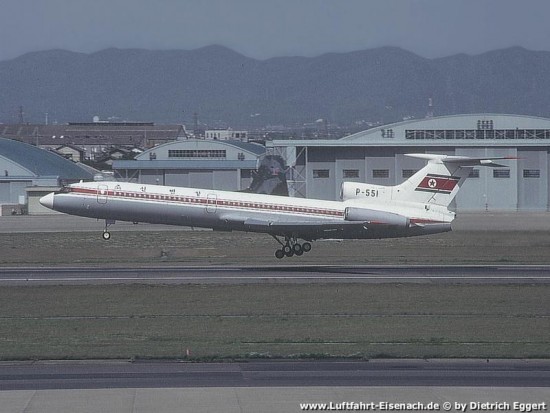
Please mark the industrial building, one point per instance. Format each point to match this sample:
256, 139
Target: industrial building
378, 156
93, 138
226, 134
317, 168
196, 163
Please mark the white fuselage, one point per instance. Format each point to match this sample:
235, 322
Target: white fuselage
224, 210
417, 206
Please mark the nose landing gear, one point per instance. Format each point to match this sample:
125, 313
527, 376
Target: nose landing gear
291, 247
106, 234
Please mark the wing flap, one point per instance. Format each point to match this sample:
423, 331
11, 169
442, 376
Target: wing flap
324, 225
303, 228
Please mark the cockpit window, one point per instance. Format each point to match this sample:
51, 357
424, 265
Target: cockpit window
64, 190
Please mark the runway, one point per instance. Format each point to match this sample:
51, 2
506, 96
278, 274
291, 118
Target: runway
480, 274
267, 386
465, 221
402, 373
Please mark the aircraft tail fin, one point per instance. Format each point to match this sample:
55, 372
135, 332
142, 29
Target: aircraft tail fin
270, 178
440, 180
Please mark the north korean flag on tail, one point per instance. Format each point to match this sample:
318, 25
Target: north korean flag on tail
438, 184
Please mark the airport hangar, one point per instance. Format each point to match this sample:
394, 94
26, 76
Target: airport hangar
196, 163
28, 172
318, 167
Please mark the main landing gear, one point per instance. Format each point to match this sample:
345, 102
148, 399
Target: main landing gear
291, 247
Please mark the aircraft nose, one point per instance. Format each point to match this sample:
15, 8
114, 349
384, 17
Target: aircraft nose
47, 200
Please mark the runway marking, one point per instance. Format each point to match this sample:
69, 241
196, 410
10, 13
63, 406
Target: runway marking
290, 273
299, 277
498, 267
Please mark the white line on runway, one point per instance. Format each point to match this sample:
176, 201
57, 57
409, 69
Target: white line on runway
299, 277
282, 267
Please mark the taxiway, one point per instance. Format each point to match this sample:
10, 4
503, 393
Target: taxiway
407, 373
64, 387
495, 274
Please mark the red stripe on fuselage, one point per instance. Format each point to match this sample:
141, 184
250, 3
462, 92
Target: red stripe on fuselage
191, 200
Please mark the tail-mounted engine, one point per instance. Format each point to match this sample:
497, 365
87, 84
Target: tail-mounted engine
374, 217
358, 190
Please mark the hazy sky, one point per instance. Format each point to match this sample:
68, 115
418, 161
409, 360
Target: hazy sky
268, 28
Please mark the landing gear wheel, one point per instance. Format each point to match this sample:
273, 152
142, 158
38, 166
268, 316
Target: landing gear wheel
106, 235
291, 247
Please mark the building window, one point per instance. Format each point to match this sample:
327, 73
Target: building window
380, 173
501, 173
485, 131
485, 124
351, 173
197, 153
321, 173
474, 173
531, 173
407, 173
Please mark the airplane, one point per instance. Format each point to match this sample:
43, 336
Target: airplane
418, 206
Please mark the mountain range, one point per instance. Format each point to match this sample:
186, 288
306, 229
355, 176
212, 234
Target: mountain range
226, 88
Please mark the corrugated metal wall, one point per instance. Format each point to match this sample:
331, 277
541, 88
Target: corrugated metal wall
522, 185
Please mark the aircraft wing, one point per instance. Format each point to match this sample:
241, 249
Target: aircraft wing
293, 225
304, 228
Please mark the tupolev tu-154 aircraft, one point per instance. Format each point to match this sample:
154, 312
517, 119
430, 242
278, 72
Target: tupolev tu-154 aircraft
417, 206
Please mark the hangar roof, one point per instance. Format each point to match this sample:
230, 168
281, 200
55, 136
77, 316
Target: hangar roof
455, 122
40, 162
133, 134
185, 164
253, 148
481, 129
159, 158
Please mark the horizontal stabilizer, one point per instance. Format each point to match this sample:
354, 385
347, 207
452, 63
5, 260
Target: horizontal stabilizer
438, 182
462, 160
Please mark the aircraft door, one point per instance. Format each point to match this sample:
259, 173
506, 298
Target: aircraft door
102, 192
211, 203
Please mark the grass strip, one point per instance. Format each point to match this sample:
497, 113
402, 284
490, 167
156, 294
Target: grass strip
274, 320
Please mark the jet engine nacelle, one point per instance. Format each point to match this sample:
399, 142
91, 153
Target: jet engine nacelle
372, 216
